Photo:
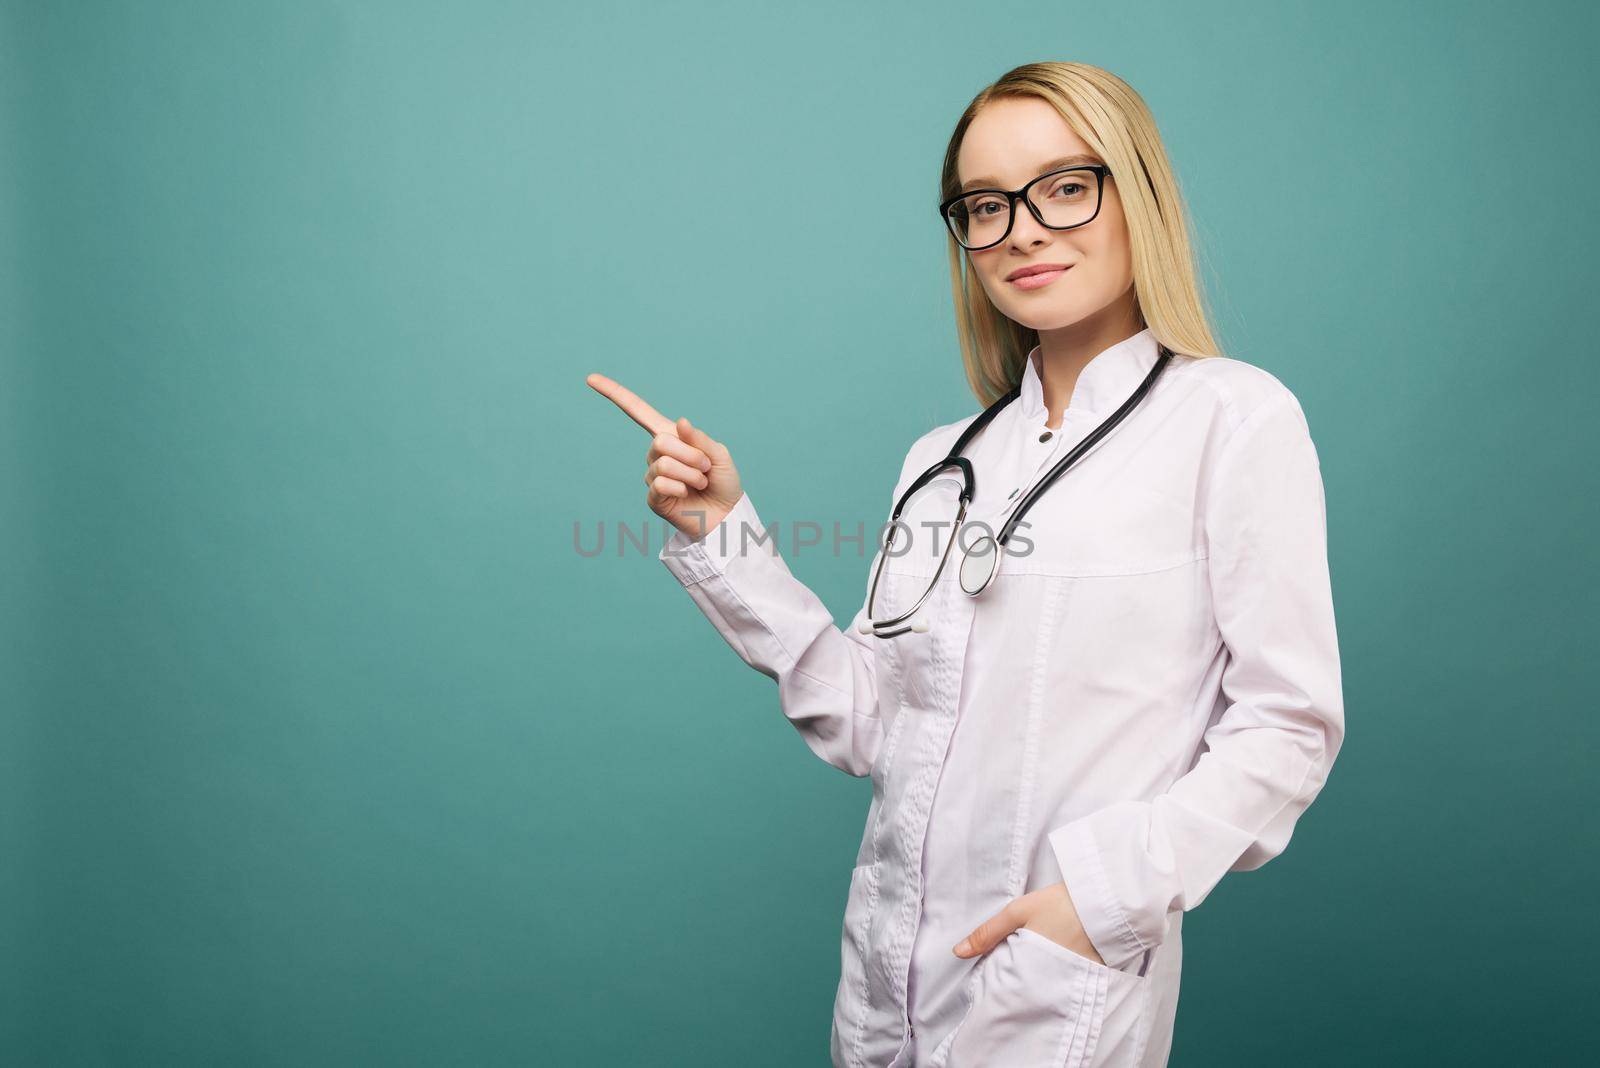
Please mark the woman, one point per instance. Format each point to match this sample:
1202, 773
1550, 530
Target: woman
1146, 696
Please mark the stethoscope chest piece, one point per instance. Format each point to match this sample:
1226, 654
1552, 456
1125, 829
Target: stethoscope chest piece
979, 563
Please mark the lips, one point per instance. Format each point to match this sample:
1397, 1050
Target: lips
1037, 268
1037, 277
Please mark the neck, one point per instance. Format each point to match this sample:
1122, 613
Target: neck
1063, 353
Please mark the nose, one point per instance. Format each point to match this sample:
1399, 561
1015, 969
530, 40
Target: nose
1025, 229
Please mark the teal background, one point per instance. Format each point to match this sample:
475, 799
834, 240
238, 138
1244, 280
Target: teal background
321, 743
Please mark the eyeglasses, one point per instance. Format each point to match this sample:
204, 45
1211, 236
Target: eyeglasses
1060, 200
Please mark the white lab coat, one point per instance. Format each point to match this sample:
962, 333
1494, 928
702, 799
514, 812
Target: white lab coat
1145, 701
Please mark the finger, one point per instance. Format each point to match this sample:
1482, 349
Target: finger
701, 440
990, 932
669, 487
673, 468
687, 476
631, 403
672, 445
654, 501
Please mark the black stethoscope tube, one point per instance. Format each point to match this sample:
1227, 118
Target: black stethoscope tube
978, 579
1083, 446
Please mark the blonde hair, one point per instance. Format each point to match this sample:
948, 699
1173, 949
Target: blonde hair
1114, 121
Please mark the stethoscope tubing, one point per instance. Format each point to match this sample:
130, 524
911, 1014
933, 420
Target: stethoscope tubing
1090, 441
909, 620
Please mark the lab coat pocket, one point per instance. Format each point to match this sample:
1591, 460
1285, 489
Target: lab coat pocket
1038, 1004
851, 998
917, 680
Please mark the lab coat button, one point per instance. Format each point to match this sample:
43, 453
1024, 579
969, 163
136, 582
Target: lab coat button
1045, 436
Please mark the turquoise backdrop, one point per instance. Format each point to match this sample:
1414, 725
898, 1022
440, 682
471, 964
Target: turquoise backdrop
323, 745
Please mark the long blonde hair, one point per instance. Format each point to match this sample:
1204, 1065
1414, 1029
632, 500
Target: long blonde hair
1114, 121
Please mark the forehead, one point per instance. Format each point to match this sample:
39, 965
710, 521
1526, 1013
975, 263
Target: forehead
1013, 139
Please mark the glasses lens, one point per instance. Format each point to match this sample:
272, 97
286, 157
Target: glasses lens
979, 219
1064, 199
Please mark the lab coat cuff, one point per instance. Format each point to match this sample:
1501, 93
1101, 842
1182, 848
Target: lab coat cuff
740, 532
1102, 915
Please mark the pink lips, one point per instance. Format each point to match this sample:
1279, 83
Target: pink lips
1039, 279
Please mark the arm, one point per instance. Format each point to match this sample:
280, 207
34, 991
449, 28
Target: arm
1267, 756
826, 678
827, 683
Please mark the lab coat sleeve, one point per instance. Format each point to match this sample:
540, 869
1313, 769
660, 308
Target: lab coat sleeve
827, 678
1129, 865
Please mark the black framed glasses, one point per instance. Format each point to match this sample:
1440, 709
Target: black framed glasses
1060, 200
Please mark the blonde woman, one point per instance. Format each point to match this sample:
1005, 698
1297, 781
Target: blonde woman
1145, 695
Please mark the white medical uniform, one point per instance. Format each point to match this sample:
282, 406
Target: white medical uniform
1146, 698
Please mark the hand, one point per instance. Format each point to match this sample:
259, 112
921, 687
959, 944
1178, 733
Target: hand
693, 483
1048, 911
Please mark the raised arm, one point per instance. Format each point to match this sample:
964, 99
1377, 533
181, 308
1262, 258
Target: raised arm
730, 565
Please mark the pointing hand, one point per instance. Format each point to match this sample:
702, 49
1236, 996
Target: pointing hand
691, 478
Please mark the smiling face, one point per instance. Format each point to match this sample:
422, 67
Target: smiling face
1011, 141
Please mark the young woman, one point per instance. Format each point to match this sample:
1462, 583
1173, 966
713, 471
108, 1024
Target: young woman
1146, 694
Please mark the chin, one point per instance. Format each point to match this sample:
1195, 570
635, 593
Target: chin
1035, 317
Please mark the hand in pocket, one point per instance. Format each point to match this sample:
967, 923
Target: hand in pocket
1048, 912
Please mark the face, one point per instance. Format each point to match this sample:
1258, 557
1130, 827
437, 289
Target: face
1010, 142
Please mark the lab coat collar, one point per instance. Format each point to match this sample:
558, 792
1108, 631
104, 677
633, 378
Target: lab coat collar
1103, 384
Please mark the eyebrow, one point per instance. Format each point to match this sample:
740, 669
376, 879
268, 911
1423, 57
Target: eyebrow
1055, 164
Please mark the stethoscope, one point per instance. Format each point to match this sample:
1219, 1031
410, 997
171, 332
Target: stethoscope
980, 561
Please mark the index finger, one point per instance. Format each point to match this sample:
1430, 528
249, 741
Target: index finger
631, 403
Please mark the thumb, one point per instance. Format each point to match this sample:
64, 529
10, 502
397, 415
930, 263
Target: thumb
693, 435
991, 932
